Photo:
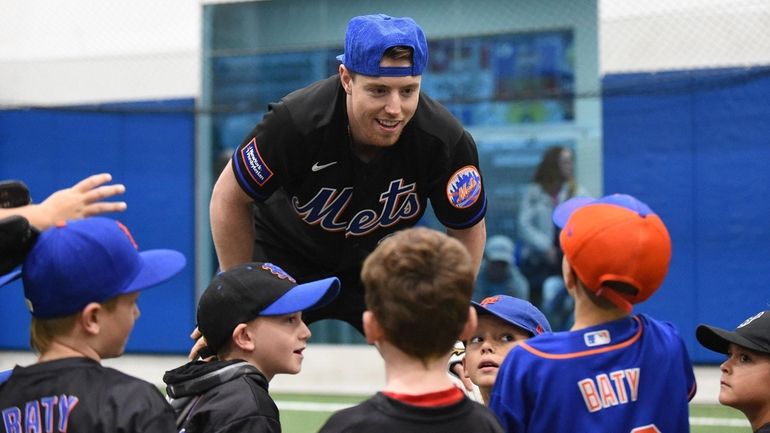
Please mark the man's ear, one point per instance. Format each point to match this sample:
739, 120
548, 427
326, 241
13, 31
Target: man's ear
242, 338
346, 79
470, 325
372, 329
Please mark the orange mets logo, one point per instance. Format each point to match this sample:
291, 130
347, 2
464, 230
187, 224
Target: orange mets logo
128, 234
464, 187
489, 300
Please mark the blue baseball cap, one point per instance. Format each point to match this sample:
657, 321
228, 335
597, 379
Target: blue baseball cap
89, 260
250, 290
369, 36
514, 311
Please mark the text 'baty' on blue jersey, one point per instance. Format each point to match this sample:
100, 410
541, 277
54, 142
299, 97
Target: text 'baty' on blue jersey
630, 375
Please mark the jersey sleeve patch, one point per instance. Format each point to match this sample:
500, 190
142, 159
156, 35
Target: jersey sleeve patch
464, 187
255, 166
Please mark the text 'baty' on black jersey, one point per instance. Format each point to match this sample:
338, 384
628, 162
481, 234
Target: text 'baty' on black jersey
320, 210
79, 395
382, 414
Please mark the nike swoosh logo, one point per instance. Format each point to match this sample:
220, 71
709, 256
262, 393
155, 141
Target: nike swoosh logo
318, 167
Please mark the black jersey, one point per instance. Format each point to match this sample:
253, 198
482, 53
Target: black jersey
320, 210
222, 397
81, 395
382, 414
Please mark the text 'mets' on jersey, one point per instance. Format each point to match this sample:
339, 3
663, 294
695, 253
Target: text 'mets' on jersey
631, 375
316, 203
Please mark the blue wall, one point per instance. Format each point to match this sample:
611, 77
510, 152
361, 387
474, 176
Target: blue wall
696, 146
151, 151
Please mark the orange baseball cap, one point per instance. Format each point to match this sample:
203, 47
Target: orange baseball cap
616, 238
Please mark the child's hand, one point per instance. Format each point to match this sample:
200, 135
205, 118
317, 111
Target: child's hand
459, 371
200, 343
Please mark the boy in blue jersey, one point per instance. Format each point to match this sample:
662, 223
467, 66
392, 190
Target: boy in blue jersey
613, 371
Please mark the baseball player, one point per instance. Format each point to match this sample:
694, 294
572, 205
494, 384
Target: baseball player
81, 282
613, 371
337, 166
418, 292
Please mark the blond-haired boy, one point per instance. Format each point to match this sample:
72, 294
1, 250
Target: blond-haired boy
251, 319
81, 282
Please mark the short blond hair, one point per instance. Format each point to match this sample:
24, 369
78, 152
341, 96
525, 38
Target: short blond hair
44, 331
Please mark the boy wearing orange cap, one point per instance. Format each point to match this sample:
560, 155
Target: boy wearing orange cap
614, 371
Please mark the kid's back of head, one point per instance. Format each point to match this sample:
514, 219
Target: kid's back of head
617, 246
87, 265
418, 285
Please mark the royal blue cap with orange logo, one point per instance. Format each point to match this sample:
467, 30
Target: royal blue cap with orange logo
514, 311
89, 260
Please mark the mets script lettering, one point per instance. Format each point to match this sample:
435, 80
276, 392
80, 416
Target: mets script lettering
40, 415
399, 202
605, 390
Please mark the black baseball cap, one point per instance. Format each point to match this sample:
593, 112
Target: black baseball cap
251, 290
753, 333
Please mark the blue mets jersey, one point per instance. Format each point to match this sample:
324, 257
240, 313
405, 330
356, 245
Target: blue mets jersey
628, 376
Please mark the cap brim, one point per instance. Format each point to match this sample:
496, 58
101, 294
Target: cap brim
303, 297
719, 340
157, 267
562, 212
10, 277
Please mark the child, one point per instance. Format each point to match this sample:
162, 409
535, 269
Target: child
251, 318
81, 282
746, 372
504, 321
613, 371
418, 285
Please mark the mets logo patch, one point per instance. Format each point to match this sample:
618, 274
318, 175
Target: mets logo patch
464, 187
278, 272
490, 300
751, 319
255, 166
597, 338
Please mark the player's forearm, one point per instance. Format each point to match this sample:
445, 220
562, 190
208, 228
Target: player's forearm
231, 222
233, 236
474, 239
